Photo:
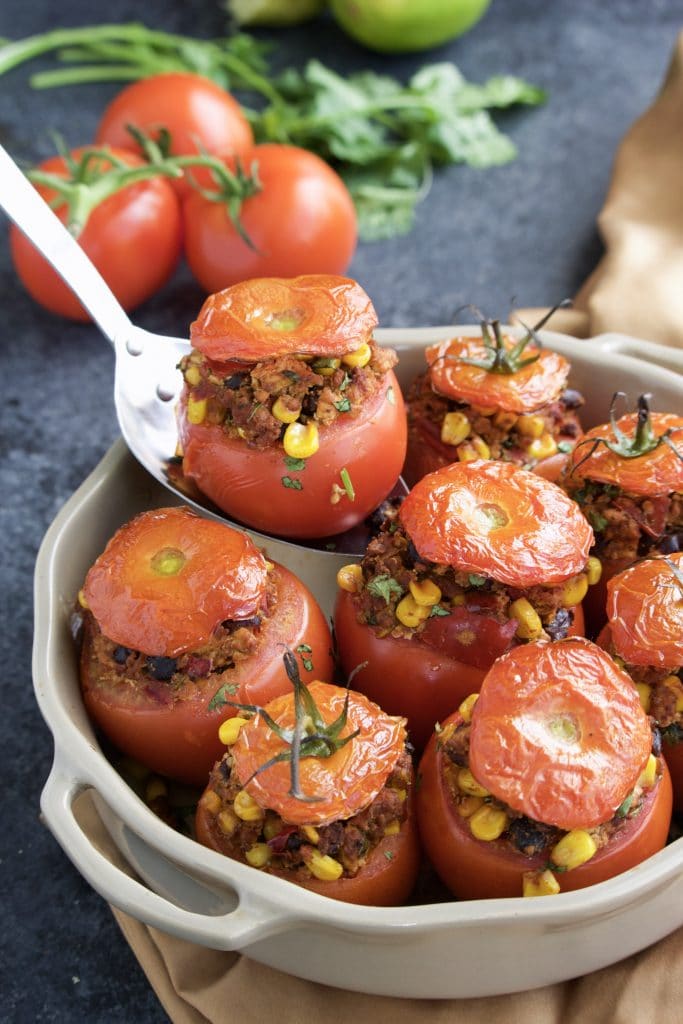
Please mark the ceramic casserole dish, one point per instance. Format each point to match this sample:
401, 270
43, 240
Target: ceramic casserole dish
436, 950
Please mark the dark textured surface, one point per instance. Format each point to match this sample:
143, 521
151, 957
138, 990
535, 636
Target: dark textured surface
526, 230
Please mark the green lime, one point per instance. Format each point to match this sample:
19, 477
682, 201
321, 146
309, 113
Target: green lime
396, 26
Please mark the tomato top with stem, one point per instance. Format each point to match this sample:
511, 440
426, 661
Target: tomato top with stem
645, 612
168, 577
559, 733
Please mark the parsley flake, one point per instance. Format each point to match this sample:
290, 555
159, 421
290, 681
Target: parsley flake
294, 465
384, 586
292, 483
476, 579
438, 611
343, 406
220, 697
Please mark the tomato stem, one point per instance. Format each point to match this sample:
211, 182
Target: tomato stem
643, 442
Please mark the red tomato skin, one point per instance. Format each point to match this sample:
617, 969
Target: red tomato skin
246, 483
303, 221
198, 114
134, 238
595, 601
474, 869
673, 755
406, 677
386, 880
180, 739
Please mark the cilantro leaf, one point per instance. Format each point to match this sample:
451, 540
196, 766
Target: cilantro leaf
384, 586
292, 483
295, 465
219, 699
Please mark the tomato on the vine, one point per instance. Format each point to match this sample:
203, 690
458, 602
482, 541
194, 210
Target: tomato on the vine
133, 237
301, 221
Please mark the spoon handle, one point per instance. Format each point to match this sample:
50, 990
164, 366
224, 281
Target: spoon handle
22, 204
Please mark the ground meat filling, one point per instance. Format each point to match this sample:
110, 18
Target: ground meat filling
523, 440
522, 834
629, 526
661, 692
315, 389
391, 564
350, 842
167, 680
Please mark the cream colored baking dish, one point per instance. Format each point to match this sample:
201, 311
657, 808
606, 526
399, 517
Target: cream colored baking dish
428, 951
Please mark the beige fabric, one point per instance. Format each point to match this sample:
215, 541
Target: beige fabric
637, 288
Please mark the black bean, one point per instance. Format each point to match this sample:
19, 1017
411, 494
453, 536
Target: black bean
161, 668
656, 741
120, 654
310, 402
294, 841
558, 628
572, 399
235, 381
671, 544
528, 836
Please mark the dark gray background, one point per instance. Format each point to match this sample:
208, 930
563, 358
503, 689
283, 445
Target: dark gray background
526, 231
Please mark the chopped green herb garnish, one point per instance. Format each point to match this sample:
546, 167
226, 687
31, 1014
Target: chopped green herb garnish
220, 697
597, 521
345, 382
384, 586
389, 854
476, 579
303, 650
343, 406
294, 465
438, 611
292, 484
564, 446
624, 808
348, 486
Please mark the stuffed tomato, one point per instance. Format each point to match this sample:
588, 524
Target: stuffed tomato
291, 419
481, 556
627, 476
178, 613
645, 631
317, 788
548, 780
492, 397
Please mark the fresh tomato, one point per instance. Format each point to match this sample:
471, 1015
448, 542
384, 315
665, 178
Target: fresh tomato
645, 612
476, 869
331, 789
559, 733
302, 221
169, 575
425, 677
133, 237
499, 520
197, 113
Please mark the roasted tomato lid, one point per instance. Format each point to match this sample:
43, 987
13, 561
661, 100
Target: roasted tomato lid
641, 452
645, 612
533, 385
167, 578
559, 734
331, 787
315, 314
498, 520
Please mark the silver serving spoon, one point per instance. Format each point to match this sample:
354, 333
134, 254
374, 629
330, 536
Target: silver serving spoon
146, 380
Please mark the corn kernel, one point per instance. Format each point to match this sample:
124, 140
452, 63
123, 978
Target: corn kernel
196, 410
246, 808
326, 367
505, 420
488, 823
645, 694
258, 855
230, 729
155, 788
350, 578
284, 414
529, 625
574, 591
393, 829
425, 592
648, 776
192, 375
301, 440
272, 825
593, 570
227, 822
324, 867
359, 357
481, 448
311, 834
573, 849
468, 784
410, 613
402, 794
466, 706
467, 452
542, 447
539, 883
82, 600
455, 427
531, 426
211, 801
467, 805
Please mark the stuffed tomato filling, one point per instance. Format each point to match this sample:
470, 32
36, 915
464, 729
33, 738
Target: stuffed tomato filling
397, 593
260, 402
491, 820
137, 676
461, 431
255, 835
661, 694
628, 526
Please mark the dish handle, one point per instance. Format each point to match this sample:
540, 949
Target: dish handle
251, 920
649, 351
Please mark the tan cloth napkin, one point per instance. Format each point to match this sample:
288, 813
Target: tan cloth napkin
637, 288
206, 986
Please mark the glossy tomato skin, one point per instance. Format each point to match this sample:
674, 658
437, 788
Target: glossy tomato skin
474, 869
179, 738
247, 483
199, 115
134, 239
385, 880
408, 677
303, 221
